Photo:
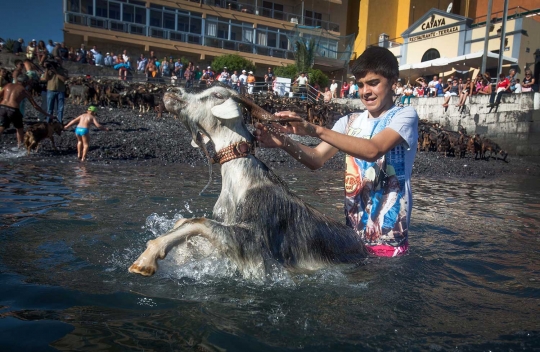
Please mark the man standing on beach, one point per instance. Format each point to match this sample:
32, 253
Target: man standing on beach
333, 89
11, 97
56, 77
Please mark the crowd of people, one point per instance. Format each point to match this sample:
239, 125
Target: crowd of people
466, 87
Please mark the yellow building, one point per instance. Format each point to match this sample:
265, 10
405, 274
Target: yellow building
456, 43
261, 31
392, 17
371, 18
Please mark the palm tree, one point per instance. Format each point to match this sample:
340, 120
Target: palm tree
304, 55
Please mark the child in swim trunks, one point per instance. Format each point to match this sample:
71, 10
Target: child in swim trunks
82, 130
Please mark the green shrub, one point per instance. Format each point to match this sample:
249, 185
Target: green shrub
289, 71
233, 63
9, 45
314, 75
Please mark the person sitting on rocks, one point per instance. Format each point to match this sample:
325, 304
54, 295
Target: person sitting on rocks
528, 82
108, 60
18, 46
41, 52
151, 70
141, 63
517, 86
452, 91
31, 50
407, 95
98, 59
81, 55
19, 70
465, 92
178, 68
50, 46
327, 95
502, 88
63, 52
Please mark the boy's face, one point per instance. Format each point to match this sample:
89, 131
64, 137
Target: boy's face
375, 92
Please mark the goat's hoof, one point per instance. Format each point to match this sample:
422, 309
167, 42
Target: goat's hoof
144, 270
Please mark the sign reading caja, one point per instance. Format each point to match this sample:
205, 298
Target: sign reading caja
434, 34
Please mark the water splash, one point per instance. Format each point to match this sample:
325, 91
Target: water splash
12, 153
160, 224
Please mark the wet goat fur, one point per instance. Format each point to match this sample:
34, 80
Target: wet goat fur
258, 222
275, 223
40, 131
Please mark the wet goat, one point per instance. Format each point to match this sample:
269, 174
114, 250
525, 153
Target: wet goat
257, 222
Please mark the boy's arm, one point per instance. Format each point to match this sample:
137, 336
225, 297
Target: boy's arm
94, 120
72, 122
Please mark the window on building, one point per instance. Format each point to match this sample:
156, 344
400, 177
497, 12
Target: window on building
195, 24
114, 10
272, 10
128, 15
140, 15
211, 29
236, 32
262, 38
101, 8
247, 35
169, 20
312, 18
267, 36
155, 18
87, 7
73, 6
223, 30
431, 54
183, 23
283, 41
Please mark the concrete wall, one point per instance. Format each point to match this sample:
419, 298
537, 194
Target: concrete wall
515, 126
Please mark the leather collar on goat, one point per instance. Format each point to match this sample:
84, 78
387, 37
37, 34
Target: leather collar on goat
234, 151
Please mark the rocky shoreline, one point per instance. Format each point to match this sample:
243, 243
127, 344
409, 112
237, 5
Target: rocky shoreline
145, 138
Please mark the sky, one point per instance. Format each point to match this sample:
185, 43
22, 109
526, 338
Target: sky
32, 19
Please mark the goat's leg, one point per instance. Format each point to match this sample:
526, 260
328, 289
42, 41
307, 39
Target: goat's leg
183, 230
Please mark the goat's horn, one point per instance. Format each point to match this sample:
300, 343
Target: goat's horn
261, 114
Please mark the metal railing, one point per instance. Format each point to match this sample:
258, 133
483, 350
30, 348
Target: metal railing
275, 14
185, 37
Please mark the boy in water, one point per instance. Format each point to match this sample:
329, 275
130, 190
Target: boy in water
380, 146
82, 131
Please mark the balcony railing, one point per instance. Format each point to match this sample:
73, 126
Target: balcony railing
291, 17
185, 37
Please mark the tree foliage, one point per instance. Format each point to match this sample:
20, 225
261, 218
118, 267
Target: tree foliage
233, 62
8, 45
317, 76
289, 71
314, 75
304, 55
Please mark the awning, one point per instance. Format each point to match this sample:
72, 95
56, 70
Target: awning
458, 63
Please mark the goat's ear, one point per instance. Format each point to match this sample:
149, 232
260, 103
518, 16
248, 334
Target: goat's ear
227, 110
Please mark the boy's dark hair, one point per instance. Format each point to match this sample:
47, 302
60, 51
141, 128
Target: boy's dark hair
377, 60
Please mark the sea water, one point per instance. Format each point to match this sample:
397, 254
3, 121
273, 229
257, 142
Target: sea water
69, 231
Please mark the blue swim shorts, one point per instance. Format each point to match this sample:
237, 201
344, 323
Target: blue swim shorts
81, 131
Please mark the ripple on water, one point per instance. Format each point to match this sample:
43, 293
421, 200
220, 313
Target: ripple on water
472, 278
